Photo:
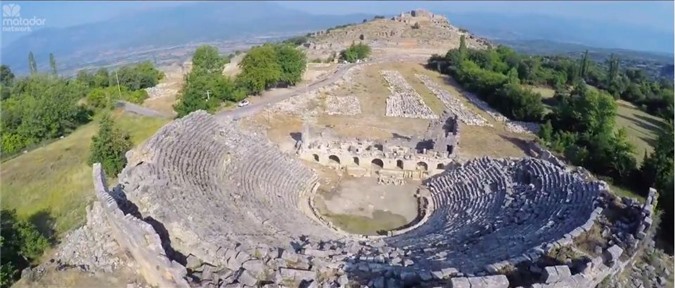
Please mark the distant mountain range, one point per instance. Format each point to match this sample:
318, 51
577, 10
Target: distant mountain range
502, 27
189, 23
200, 22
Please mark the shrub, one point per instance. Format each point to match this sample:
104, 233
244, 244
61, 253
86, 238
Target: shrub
20, 244
109, 146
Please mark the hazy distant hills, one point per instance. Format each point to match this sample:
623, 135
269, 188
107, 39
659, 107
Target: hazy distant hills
189, 23
500, 27
198, 22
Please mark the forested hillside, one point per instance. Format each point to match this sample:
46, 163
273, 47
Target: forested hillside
580, 122
44, 106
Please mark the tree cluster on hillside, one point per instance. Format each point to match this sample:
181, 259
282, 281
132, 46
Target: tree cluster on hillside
263, 67
493, 75
133, 79
581, 125
43, 106
297, 40
657, 172
355, 52
40, 107
20, 244
561, 72
109, 147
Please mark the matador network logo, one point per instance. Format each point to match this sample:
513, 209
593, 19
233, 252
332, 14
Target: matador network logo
13, 22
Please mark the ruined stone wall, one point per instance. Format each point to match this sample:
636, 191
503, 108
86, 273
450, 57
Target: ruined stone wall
139, 239
610, 263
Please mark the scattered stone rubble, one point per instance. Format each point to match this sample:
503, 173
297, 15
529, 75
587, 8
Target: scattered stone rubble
206, 204
308, 103
160, 90
404, 101
304, 104
453, 104
513, 126
342, 105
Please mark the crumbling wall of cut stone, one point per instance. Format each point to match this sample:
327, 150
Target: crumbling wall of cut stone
612, 261
139, 239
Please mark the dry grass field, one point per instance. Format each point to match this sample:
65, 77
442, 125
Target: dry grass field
53, 184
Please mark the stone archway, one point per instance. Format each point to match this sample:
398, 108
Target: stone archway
422, 166
334, 158
377, 164
316, 157
399, 164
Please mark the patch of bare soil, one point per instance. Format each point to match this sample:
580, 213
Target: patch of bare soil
163, 96
370, 88
75, 278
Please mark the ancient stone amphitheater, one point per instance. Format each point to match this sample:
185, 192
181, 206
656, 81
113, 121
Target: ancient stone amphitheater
206, 203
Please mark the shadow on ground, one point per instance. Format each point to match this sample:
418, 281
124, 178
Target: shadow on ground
520, 143
45, 223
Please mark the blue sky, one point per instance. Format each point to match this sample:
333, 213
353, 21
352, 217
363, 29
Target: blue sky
653, 14
648, 14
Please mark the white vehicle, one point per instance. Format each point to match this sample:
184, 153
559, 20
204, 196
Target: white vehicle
243, 103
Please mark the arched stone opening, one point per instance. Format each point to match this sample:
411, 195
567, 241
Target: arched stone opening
356, 160
422, 166
316, 157
334, 158
377, 163
440, 166
399, 164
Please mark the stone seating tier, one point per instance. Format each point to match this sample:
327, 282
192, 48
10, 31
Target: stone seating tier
213, 185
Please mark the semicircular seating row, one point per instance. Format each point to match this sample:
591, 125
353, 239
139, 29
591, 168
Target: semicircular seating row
489, 210
221, 185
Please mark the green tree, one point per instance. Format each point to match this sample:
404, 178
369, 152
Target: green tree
585, 62
613, 69
355, 52
6, 76
657, 168
260, 69
20, 244
139, 76
52, 64
462, 48
6, 81
32, 65
109, 146
208, 58
292, 63
102, 78
546, 132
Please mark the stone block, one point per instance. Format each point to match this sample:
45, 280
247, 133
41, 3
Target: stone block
550, 275
495, 281
563, 271
298, 275
613, 253
460, 282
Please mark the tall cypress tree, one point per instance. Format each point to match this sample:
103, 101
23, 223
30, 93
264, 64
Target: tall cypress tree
32, 65
52, 63
584, 65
